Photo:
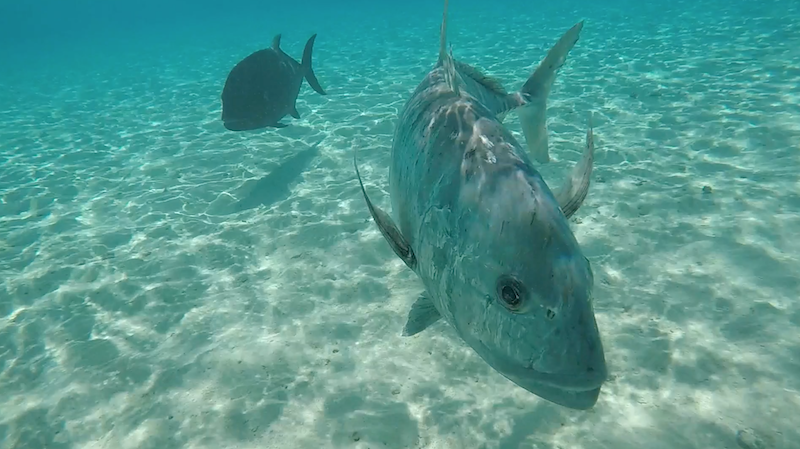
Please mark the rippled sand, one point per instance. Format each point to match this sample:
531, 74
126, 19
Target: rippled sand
165, 283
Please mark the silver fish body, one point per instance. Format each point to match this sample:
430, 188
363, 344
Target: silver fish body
488, 238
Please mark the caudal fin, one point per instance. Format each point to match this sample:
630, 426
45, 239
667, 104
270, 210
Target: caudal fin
533, 116
307, 70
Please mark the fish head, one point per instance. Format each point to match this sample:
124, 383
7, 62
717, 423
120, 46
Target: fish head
524, 286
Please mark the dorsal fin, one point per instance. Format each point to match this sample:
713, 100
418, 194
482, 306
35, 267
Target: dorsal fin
443, 35
276, 42
446, 59
486, 81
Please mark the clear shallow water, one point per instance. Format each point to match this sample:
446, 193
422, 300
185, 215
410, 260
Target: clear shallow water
165, 283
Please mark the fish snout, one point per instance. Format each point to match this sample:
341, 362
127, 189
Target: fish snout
573, 352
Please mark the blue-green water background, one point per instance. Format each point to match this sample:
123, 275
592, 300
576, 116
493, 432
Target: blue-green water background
165, 283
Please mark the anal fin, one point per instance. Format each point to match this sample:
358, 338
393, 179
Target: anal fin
574, 191
421, 316
293, 112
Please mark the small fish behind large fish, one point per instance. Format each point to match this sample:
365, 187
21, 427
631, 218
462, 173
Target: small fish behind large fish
262, 88
486, 235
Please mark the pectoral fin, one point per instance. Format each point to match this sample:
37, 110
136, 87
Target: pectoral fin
421, 316
390, 232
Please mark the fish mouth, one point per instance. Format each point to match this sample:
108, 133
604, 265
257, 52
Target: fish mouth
590, 380
576, 400
579, 392
575, 392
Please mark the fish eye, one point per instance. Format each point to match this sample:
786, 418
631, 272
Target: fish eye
511, 292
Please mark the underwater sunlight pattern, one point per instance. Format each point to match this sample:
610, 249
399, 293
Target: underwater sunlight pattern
167, 283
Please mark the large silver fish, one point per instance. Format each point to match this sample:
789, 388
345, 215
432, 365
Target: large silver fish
486, 235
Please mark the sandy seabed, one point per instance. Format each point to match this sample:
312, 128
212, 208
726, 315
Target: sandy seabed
168, 284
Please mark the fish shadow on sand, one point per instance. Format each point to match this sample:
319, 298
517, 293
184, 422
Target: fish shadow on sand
274, 187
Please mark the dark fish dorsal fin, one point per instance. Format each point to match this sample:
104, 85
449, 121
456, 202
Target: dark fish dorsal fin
276, 42
486, 81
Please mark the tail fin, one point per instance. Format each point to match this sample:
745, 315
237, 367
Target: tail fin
533, 117
306, 64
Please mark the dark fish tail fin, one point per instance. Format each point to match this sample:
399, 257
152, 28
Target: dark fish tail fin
293, 112
307, 70
533, 115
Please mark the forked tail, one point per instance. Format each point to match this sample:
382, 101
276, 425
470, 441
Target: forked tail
306, 64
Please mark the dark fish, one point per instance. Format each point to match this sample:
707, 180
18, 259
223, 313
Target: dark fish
263, 87
485, 234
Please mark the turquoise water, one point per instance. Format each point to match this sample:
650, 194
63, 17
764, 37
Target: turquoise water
165, 283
